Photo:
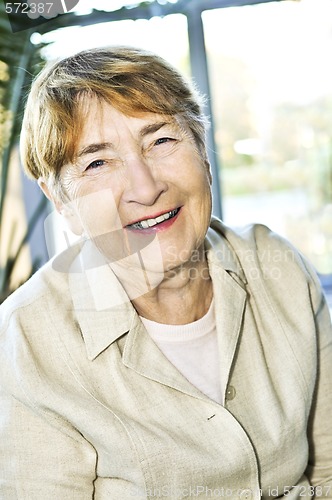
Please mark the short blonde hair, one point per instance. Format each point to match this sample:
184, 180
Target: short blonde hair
130, 79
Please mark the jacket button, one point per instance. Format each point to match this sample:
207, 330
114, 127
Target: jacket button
246, 495
230, 394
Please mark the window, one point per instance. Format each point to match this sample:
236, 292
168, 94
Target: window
271, 87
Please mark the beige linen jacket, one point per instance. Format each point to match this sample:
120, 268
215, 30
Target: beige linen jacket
91, 409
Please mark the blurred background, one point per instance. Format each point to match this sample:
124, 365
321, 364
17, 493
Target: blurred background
264, 67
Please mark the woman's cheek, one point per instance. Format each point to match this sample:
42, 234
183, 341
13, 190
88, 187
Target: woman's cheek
98, 211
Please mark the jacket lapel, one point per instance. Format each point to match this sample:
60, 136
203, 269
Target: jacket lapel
143, 355
230, 300
229, 290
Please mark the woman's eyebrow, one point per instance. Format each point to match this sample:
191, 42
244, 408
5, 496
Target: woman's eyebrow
153, 127
94, 148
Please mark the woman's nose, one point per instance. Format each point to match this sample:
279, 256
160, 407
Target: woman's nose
143, 185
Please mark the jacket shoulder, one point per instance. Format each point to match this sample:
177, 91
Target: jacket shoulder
269, 261
258, 243
48, 284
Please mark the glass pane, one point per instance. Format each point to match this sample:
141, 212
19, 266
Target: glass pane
153, 35
271, 85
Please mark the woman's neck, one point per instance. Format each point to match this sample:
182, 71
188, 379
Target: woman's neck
182, 297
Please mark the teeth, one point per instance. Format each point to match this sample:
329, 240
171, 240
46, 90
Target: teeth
144, 224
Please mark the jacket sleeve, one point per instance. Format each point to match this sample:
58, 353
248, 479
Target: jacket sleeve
38, 460
41, 455
319, 469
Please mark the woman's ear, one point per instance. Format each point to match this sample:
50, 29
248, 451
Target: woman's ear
205, 159
208, 170
49, 194
66, 210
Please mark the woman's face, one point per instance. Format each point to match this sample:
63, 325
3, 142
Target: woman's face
138, 180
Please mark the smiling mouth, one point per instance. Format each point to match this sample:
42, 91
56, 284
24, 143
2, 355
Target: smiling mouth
146, 223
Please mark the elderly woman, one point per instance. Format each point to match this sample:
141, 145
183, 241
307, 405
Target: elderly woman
163, 355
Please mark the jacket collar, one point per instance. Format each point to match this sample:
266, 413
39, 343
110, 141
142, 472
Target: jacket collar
102, 307
220, 252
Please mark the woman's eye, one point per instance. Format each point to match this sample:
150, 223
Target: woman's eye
163, 140
95, 164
